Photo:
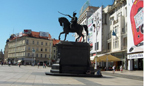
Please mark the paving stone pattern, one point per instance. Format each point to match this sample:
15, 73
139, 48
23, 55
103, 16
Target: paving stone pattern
34, 76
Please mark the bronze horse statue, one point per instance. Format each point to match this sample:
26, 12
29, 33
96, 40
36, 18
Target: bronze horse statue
66, 28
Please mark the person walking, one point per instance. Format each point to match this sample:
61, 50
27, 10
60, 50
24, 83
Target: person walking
121, 68
2, 63
113, 69
19, 64
38, 64
43, 65
9, 63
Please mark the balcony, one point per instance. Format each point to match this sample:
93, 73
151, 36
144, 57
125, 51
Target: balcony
124, 47
109, 50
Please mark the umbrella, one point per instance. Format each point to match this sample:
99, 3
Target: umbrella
19, 60
108, 58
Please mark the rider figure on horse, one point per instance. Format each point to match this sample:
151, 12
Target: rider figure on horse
73, 21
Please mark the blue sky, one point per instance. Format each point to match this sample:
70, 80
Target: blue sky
38, 15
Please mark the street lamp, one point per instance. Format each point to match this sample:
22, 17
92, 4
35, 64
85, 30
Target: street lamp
33, 58
50, 54
95, 48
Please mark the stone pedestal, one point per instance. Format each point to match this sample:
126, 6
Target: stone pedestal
72, 58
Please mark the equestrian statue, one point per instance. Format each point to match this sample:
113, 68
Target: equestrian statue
72, 26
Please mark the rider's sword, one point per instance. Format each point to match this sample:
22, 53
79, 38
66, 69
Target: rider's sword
63, 14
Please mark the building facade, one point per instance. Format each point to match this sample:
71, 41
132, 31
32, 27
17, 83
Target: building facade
85, 13
30, 49
118, 31
1, 56
6, 51
114, 34
54, 50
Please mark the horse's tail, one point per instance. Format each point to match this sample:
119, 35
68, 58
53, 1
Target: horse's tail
86, 29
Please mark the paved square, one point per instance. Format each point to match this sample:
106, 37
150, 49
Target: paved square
34, 76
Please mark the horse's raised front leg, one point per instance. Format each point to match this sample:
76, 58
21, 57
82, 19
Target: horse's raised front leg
83, 37
60, 34
77, 38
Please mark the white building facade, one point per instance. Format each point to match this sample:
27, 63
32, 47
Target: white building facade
113, 25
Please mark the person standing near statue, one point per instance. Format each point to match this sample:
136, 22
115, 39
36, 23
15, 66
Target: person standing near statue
73, 21
113, 69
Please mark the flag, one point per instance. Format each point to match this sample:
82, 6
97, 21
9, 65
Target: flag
113, 33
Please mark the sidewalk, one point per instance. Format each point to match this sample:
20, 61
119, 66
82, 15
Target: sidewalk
137, 75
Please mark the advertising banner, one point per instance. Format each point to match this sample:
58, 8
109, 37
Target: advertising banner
19, 34
95, 30
135, 15
27, 31
44, 34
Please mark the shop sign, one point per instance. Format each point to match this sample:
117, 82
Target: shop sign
134, 56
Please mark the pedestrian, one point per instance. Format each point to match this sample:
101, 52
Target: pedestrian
19, 64
113, 69
121, 68
2, 63
9, 63
38, 64
43, 65
105, 68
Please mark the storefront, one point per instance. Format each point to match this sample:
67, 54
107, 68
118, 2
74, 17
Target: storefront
135, 61
123, 56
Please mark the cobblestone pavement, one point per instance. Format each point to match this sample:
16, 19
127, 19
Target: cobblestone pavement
135, 75
34, 76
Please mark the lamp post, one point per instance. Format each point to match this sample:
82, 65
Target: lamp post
50, 54
15, 50
95, 48
33, 60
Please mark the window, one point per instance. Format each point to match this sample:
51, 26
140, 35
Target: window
109, 46
125, 41
41, 49
37, 49
45, 55
27, 41
126, 11
105, 18
28, 48
46, 43
37, 43
46, 50
115, 43
40, 55
28, 54
33, 42
41, 43
36, 55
